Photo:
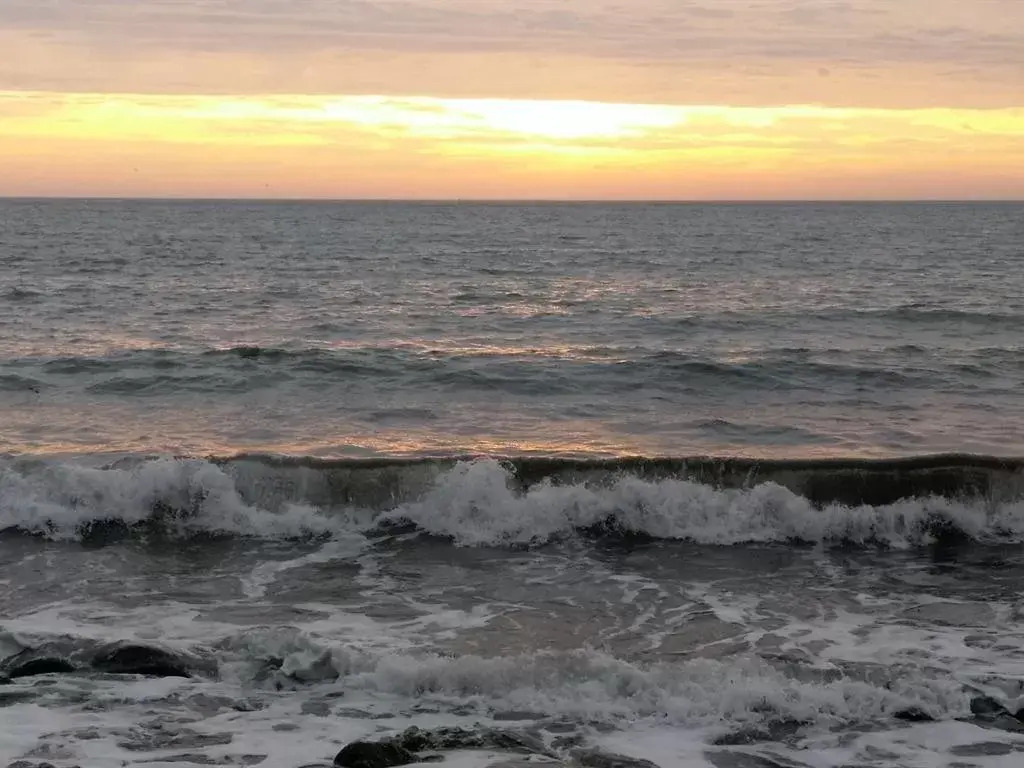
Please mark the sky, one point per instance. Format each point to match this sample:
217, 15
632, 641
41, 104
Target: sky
536, 99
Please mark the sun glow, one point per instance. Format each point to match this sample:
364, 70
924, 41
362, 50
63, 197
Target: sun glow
386, 146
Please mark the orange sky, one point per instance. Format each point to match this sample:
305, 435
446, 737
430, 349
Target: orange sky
667, 99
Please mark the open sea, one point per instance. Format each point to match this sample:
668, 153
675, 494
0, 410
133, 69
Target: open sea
604, 485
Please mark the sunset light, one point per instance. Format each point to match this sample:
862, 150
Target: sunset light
397, 146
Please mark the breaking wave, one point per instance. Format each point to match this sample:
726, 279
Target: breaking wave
523, 502
584, 684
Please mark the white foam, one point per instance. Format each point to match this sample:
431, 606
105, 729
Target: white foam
57, 499
476, 505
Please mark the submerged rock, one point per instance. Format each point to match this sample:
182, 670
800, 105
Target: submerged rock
776, 730
10, 698
913, 715
983, 749
594, 758
743, 760
373, 754
132, 659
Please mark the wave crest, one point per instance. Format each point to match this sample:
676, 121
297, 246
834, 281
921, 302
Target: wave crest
488, 502
175, 496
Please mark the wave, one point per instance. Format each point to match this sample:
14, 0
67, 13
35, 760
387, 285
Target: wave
585, 685
524, 501
531, 370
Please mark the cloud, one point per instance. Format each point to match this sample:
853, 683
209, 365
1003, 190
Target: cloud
746, 50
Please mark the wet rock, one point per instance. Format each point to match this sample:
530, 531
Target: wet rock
448, 738
267, 668
560, 726
207, 705
517, 715
913, 715
983, 749
743, 736
200, 759
366, 754
10, 698
319, 670
743, 760
33, 665
594, 758
132, 659
148, 742
566, 743
29, 764
777, 730
986, 706
317, 708
50, 658
953, 614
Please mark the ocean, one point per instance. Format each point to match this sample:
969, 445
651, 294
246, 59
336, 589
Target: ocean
609, 485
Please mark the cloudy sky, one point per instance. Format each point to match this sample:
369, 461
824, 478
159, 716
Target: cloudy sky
549, 98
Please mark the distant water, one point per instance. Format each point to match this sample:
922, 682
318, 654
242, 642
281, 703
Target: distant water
365, 466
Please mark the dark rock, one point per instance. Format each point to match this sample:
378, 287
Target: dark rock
320, 669
10, 698
200, 759
515, 714
561, 726
743, 736
573, 741
317, 708
1007, 723
743, 760
449, 738
31, 662
594, 758
913, 715
267, 668
983, 749
986, 706
131, 659
355, 714
775, 730
365, 754
147, 742
4, 679
29, 764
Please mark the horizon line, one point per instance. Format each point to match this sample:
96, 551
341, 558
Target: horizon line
514, 200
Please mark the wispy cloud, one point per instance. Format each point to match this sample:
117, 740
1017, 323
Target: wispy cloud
430, 147
843, 52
